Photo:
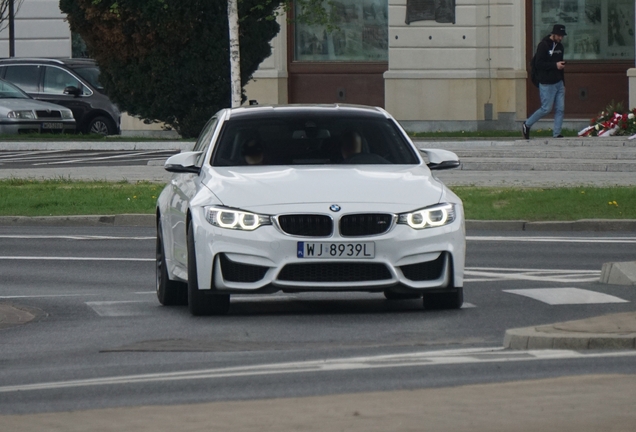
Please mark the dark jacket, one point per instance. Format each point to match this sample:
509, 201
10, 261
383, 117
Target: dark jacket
548, 54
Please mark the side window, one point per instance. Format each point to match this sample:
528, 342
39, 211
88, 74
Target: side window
204, 139
24, 76
56, 80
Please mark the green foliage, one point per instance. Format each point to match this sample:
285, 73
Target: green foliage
169, 60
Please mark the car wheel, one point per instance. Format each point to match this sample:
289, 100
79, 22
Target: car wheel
392, 295
169, 292
453, 298
102, 126
202, 302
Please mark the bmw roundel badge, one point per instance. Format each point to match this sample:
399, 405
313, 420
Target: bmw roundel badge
334, 208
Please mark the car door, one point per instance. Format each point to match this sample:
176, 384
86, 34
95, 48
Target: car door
184, 187
54, 81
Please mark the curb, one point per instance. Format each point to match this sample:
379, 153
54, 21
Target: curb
615, 331
619, 273
112, 220
95, 145
598, 225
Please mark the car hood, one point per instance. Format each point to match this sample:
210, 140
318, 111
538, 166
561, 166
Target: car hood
7, 105
262, 188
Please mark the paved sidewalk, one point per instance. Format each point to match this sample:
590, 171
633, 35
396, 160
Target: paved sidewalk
577, 403
614, 331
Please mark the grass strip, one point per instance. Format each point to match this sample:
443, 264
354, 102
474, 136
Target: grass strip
61, 197
548, 204
58, 197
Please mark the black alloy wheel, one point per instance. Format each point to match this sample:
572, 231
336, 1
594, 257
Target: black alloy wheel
101, 125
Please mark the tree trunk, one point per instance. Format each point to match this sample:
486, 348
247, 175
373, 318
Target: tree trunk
235, 53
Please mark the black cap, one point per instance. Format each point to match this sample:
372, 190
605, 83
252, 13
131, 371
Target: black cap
559, 29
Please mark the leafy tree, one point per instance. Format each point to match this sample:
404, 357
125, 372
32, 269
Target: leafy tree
169, 60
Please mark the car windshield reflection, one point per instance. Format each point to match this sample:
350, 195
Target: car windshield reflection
312, 140
9, 91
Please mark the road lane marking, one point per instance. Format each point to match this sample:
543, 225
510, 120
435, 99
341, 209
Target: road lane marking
566, 296
46, 295
119, 308
498, 274
102, 158
19, 156
553, 239
74, 237
44, 258
418, 359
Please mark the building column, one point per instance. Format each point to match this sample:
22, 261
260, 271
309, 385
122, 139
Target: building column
631, 76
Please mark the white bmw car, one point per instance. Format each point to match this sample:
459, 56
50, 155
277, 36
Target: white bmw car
308, 198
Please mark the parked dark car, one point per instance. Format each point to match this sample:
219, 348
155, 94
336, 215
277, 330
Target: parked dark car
73, 83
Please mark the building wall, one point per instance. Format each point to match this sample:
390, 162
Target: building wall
40, 31
470, 74
269, 83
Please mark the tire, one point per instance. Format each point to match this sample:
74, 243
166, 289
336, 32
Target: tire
453, 298
392, 295
101, 125
202, 303
169, 292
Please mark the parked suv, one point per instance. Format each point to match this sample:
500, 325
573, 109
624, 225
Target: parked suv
72, 83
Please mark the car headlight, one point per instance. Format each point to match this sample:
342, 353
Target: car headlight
67, 114
235, 219
430, 217
22, 114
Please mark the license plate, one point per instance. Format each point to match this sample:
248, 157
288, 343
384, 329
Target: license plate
336, 250
52, 126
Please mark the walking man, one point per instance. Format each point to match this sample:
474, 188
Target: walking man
550, 65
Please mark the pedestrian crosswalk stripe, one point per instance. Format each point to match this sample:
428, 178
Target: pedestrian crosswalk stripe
566, 296
493, 274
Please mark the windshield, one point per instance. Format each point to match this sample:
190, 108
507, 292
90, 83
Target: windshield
90, 74
9, 91
312, 140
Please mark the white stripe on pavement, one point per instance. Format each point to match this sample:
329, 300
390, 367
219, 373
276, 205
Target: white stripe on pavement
554, 239
486, 274
119, 156
418, 359
43, 258
566, 296
74, 237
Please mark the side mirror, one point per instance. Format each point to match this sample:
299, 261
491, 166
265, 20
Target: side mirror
183, 163
441, 159
72, 90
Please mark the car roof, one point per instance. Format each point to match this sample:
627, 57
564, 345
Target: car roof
70, 62
277, 111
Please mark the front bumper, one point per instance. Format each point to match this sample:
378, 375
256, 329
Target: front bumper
265, 260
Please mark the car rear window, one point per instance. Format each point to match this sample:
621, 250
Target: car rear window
312, 140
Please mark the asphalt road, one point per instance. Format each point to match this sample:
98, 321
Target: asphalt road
39, 159
100, 339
